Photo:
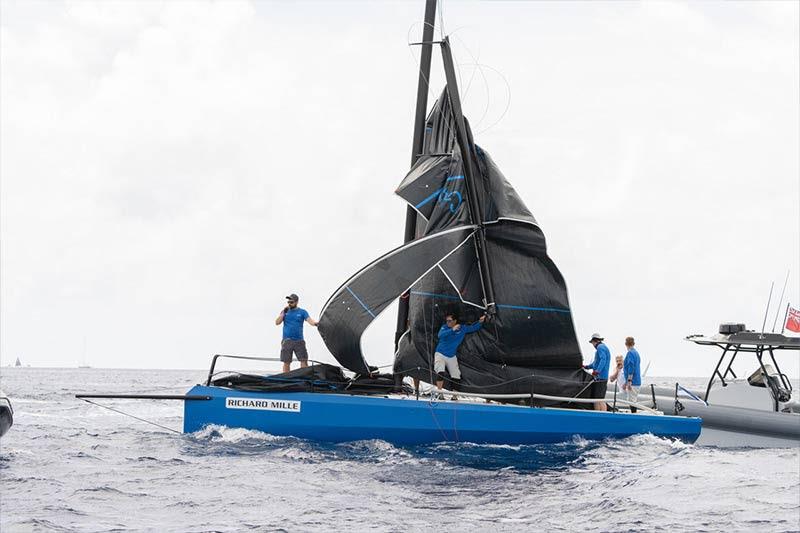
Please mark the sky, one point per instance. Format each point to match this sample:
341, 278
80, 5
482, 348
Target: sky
169, 171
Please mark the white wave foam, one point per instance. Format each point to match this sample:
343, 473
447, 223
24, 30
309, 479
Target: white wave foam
233, 435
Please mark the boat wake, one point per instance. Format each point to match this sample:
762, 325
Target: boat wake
219, 440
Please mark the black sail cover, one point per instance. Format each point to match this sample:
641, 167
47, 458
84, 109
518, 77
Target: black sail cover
529, 344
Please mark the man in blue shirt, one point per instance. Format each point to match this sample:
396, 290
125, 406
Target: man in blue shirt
450, 336
633, 376
599, 368
292, 318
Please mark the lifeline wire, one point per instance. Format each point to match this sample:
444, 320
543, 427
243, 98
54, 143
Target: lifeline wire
132, 416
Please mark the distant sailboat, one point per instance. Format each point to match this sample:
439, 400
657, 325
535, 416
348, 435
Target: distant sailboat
18, 363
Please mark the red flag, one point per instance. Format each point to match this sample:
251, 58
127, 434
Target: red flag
793, 320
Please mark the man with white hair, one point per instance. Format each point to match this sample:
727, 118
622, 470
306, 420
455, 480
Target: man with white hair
599, 368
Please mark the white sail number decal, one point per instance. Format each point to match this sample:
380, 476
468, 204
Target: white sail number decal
263, 404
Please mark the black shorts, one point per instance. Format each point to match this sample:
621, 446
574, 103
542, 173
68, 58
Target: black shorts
599, 388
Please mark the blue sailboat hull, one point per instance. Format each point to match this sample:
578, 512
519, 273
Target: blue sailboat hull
407, 421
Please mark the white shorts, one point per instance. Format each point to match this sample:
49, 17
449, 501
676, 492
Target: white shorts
632, 394
440, 362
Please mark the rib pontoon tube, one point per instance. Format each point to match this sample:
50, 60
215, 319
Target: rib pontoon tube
6, 414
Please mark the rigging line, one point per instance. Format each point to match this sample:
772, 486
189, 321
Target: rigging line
496, 341
780, 302
455, 419
474, 59
478, 68
500, 384
583, 389
132, 416
435, 419
508, 100
416, 61
431, 352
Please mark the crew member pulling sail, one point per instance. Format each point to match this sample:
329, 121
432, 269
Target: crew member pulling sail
450, 336
599, 368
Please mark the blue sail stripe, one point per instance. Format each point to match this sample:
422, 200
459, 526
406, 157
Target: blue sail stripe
367, 309
434, 295
429, 198
436, 192
504, 306
551, 309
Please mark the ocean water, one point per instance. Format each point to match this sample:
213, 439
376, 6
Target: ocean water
68, 466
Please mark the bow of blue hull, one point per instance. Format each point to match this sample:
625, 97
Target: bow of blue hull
407, 421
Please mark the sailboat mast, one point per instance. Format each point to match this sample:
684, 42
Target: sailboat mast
418, 144
476, 211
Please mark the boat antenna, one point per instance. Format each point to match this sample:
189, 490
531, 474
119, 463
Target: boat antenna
766, 312
418, 145
780, 302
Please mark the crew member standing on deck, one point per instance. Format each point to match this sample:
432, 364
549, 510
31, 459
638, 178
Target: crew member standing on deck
292, 318
633, 375
450, 336
599, 368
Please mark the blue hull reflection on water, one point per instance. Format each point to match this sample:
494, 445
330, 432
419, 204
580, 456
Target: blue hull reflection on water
70, 466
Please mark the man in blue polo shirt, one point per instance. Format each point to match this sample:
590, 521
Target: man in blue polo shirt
450, 336
599, 368
292, 318
633, 375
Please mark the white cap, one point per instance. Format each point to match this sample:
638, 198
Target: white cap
596, 337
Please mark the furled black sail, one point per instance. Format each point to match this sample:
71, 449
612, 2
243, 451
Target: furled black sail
364, 296
530, 343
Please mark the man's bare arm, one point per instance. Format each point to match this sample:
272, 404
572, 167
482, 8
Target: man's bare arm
312, 321
279, 320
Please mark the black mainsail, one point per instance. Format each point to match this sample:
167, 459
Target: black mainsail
481, 251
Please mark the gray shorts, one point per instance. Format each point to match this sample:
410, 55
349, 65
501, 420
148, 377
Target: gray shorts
298, 347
